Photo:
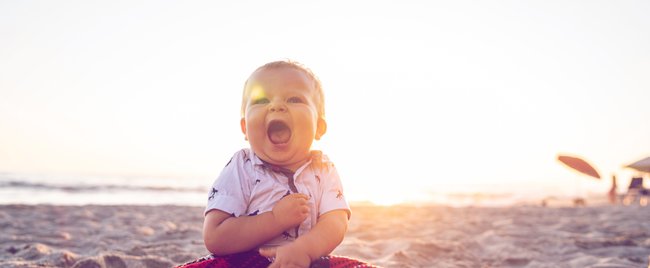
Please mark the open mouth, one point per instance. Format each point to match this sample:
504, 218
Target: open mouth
278, 132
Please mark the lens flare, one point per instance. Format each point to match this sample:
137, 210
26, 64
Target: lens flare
257, 92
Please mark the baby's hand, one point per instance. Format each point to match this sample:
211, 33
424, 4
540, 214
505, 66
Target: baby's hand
290, 255
291, 210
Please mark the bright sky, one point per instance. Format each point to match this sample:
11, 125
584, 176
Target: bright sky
425, 95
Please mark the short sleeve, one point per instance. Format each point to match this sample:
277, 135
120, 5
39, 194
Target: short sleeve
333, 197
229, 192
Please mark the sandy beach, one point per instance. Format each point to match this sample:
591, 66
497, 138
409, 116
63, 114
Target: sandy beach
399, 236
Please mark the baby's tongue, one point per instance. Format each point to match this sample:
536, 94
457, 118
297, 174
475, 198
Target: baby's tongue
279, 133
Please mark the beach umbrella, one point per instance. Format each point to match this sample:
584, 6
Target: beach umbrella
642, 165
579, 165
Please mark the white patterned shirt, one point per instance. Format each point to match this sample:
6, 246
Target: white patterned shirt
249, 186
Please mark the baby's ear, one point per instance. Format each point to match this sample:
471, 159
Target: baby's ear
242, 123
321, 128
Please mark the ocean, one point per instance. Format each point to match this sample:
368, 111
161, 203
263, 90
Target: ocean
34, 188
22, 188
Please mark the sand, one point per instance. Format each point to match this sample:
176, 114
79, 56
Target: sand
406, 236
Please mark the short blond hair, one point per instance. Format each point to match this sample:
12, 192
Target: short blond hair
320, 97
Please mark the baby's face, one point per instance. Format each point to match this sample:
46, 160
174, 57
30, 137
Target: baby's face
281, 119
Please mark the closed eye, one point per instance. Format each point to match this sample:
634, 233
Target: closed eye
295, 100
261, 101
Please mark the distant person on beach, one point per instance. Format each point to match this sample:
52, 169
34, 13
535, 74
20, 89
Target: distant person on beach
613, 198
277, 203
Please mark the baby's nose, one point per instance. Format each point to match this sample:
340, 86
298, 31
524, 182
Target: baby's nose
277, 107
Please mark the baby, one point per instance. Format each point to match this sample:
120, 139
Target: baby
279, 196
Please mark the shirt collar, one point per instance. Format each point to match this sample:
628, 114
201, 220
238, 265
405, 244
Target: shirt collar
259, 163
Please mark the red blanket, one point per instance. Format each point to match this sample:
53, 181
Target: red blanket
254, 259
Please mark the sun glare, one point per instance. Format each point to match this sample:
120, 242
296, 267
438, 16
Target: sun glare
387, 200
257, 92
381, 194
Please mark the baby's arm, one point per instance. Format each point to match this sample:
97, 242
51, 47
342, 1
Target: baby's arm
320, 241
224, 234
326, 235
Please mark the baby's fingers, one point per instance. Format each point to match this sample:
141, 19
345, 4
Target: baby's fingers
299, 196
304, 210
268, 252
